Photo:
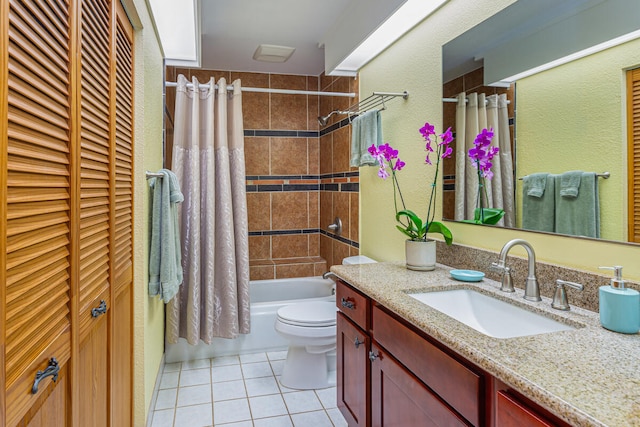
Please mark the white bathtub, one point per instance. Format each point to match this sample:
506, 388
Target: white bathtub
267, 296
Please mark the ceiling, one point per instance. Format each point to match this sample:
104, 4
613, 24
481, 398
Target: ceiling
232, 30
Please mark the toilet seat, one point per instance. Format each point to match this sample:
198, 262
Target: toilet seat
316, 314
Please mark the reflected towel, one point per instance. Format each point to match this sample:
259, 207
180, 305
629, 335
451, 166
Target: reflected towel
165, 260
570, 184
580, 215
535, 184
538, 211
366, 130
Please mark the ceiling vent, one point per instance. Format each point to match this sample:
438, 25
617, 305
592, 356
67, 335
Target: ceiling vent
272, 53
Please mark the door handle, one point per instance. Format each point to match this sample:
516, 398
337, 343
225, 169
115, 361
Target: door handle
50, 371
101, 309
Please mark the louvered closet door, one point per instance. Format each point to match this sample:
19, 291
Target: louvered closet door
121, 312
633, 135
36, 209
94, 298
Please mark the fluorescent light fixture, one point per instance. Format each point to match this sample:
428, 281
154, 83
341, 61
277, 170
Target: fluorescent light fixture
404, 19
577, 55
178, 26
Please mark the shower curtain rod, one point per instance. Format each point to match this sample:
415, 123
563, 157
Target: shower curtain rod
466, 100
268, 90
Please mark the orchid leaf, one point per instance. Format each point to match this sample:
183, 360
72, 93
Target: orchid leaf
489, 216
438, 227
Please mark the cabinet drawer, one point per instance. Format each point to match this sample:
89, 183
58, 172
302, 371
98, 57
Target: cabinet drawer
353, 304
454, 382
511, 412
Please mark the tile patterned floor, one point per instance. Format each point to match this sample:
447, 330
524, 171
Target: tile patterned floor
239, 391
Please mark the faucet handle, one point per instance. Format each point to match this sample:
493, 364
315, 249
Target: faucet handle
507, 281
497, 267
560, 301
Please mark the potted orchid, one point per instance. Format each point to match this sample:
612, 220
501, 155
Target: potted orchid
481, 156
410, 223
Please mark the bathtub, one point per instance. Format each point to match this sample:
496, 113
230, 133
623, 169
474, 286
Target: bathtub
267, 296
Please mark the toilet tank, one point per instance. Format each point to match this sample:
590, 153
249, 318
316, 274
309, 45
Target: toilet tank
357, 259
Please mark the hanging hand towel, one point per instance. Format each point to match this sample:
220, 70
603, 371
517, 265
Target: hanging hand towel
165, 260
538, 204
366, 129
570, 184
580, 215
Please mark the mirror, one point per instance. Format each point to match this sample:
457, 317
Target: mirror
568, 117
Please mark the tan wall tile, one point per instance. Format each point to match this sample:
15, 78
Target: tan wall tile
314, 209
325, 106
326, 209
289, 156
354, 217
326, 248
319, 268
289, 210
341, 149
255, 110
313, 145
313, 111
288, 81
290, 246
251, 79
262, 272
314, 244
326, 82
453, 87
288, 111
340, 251
341, 210
341, 84
256, 155
259, 247
258, 211
313, 83
294, 270
326, 153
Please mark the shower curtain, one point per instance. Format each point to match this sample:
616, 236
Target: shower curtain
474, 113
208, 159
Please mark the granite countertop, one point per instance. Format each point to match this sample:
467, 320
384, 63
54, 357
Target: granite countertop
588, 376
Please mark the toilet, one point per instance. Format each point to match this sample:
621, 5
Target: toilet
310, 328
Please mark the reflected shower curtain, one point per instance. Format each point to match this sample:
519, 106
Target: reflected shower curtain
474, 113
208, 159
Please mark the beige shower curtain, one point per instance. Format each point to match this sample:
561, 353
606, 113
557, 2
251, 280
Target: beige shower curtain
208, 159
474, 113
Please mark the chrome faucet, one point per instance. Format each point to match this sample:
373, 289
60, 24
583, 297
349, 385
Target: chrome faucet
330, 275
531, 290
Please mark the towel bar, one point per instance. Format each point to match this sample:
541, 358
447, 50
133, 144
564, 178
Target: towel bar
150, 175
604, 175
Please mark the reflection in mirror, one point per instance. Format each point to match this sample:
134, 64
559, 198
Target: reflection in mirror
570, 117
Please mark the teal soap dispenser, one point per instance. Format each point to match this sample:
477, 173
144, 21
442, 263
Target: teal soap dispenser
619, 306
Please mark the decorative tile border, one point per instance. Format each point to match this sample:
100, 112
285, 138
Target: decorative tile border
282, 133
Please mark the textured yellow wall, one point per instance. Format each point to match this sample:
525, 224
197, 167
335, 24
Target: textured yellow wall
572, 118
413, 63
148, 313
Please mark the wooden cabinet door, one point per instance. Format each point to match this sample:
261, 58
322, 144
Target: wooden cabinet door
352, 372
514, 412
36, 214
400, 400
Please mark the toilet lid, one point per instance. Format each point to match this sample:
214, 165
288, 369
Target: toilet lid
316, 313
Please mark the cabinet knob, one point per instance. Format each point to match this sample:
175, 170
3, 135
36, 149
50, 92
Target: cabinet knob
357, 342
50, 371
101, 309
373, 356
347, 304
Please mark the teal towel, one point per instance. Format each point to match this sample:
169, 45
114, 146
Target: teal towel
570, 184
580, 215
538, 202
165, 260
366, 130
536, 183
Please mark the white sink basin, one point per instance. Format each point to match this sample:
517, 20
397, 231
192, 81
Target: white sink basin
488, 315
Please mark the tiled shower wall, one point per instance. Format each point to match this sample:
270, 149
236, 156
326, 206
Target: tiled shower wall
296, 179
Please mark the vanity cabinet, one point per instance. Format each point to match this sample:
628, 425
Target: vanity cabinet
389, 373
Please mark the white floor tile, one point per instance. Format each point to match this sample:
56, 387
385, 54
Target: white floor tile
196, 364
253, 357
284, 389
248, 423
315, 419
276, 366
169, 380
194, 416
328, 397
229, 390
267, 406
166, 398
194, 395
225, 360
336, 417
230, 411
277, 355
282, 421
261, 386
172, 367
256, 370
302, 401
163, 418
226, 373
195, 377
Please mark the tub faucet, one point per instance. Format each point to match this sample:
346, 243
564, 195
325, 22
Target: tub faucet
531, 290
330, 275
